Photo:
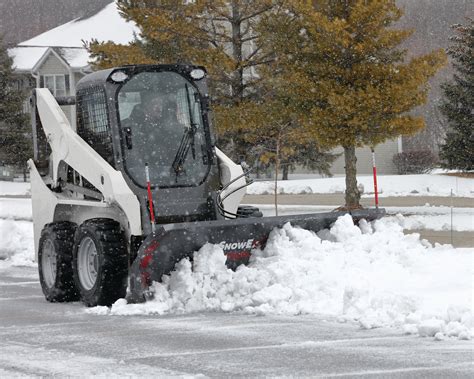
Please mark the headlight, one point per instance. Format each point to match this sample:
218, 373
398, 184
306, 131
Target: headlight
119, 76
198, 74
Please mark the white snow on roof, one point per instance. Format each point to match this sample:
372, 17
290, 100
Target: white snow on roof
76, 57
107, 25
25, 58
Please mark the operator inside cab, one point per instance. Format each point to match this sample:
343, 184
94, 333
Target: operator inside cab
160, 117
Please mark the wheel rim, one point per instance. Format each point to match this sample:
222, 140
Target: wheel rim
49, 263
88, 263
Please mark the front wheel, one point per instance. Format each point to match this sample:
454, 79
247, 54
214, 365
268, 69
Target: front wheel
100, 262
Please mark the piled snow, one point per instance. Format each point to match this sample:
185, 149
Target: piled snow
388, 185
375, 275
16, 209
14, 188
16, 243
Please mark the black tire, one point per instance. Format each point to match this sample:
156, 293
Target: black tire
55, 262
106, 281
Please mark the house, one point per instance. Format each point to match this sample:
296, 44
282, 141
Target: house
383, 158
57, 60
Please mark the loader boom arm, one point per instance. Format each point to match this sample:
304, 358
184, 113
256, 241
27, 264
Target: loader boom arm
70, 148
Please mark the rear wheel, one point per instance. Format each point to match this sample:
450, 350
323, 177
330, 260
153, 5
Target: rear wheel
55, 262
100, 262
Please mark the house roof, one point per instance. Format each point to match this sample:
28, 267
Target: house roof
107, 25
76, 57
27, 58
67, 40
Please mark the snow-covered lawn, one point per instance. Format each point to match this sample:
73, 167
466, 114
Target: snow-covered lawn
388, 185
14, 188
410, 218
420, 217
462, 221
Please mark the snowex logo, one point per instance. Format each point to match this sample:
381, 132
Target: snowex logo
240, 249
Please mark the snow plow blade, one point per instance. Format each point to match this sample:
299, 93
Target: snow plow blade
170, 243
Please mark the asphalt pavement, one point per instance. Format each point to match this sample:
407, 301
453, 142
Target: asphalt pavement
40, 339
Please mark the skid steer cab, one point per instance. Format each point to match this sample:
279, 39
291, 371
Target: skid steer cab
135, 183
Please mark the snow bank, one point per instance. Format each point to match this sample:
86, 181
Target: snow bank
388, 185
16, 243
14, 188
375, 275
16, 209
413, 218
461, 222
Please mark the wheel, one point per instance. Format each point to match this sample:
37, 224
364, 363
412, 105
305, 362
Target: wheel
55, 262
100, 262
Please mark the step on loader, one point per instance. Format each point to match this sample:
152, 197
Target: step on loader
136, 183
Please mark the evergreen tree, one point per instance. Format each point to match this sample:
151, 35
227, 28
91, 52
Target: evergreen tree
458, 106
341, 59
218, 34
15, 141
223, 36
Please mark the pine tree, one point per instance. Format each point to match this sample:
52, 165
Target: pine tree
223, 36
342, 60
15, 141
218, 34
458, 106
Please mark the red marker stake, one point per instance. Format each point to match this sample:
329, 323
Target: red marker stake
375, 179
150, 198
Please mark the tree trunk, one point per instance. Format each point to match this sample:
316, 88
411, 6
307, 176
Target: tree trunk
286, 170
237, 53
352, 192
24, 173
277, 166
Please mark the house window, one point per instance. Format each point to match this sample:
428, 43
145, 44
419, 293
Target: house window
56, 84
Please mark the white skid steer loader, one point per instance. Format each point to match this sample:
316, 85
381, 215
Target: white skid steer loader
139, 186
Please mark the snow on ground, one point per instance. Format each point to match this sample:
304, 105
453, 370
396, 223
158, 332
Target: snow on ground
461, 222
16, 229
16, 243
16, 209
410, 218
414, 218
388, 185
375, 275
14, 188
